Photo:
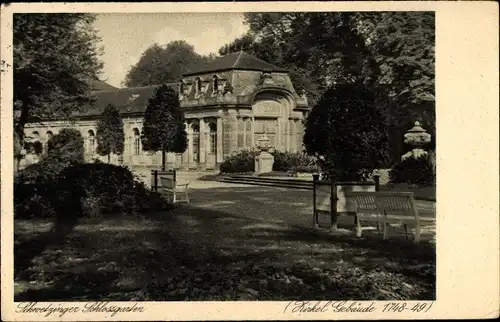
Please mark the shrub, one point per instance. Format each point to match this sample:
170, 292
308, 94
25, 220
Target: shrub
89, 190
44, 172
243, 161
110, 187
418, 171
295, 162
42, 200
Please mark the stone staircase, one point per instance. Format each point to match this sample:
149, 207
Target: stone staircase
282, 182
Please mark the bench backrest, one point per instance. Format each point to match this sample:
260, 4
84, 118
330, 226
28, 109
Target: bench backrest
365, 201
397, 203
388, 202
167, 179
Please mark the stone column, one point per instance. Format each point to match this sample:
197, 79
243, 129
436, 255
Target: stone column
203, 141
220, 157
253, 132
230, 133
186, 156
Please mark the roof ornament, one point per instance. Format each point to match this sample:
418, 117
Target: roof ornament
266, 78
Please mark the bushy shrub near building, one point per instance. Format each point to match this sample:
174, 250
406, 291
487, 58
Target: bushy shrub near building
244, 161
240, 162
294, 162
419, 171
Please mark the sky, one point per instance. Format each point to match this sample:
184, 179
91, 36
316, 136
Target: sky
124, 37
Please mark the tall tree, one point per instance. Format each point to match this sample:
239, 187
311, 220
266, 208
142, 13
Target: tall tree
55, 56
163, 126
403, 45
347, 132
110, 135
163, 64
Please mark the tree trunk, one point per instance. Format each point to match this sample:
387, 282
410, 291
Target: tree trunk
163, 161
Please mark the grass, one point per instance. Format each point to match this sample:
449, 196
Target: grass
195, 253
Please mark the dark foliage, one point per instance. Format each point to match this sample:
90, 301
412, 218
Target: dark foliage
417, 171
109, 188
392, 52
55, 57
347, 133
48, 200
92, 189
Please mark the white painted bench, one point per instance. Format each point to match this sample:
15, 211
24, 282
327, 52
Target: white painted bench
171, 189
387, 208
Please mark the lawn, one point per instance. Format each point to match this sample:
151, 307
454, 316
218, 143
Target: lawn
204, 252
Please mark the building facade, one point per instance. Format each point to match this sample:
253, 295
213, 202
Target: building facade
228, 105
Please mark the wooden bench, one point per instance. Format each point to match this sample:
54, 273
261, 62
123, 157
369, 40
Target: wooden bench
171, 189
387, 208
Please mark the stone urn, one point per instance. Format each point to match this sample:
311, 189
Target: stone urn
264, 160
416, 137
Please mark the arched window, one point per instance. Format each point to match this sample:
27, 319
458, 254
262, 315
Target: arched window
212, 138
91, 142
137, 141
195, 128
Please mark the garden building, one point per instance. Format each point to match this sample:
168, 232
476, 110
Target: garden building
228, 105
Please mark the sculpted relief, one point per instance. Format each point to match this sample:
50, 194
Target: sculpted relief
267, 108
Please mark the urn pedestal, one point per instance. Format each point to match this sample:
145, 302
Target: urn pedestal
264, 160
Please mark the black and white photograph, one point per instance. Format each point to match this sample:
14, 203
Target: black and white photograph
224, 156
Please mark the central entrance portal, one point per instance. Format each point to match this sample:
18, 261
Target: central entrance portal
268, 127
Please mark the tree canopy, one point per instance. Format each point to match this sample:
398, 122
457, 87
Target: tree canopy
389, 52
163, 125
163, 64
55, 56
110, 136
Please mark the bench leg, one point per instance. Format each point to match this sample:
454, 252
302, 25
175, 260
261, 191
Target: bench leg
384, 223
406, 231
417, 233
187, 197
359, 229
174, 197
